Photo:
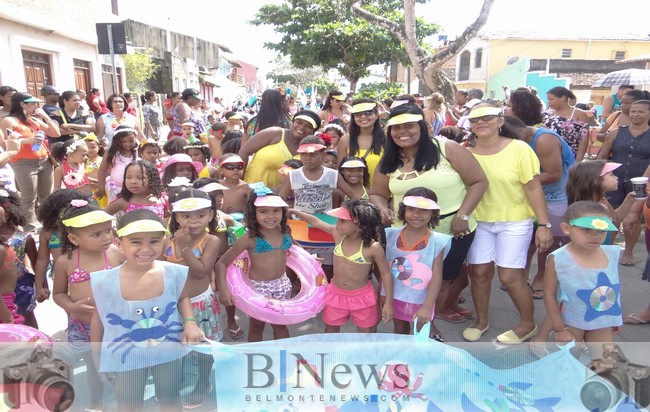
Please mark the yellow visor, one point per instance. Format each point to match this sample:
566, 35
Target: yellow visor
87, 219
420, 202
484, 111
338, 97
307, 119
363, 107
404, 118
191, 204
354, 163
142, 226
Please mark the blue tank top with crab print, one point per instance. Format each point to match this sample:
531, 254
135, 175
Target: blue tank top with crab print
139, 333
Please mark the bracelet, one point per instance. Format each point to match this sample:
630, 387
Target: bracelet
561, 330
185, 320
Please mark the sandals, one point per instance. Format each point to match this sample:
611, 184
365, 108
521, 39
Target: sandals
634, 319
453, 318
236, 334
198, 398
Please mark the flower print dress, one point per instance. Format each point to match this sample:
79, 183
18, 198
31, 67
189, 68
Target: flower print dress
573, 131
25, 291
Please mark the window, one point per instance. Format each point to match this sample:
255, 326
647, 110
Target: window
463, 67
566, 53
619, 55
478, 57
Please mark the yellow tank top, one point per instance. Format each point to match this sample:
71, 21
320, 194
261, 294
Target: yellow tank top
372, 160
265, 163
204, 172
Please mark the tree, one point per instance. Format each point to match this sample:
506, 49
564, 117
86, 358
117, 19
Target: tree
324, 33
379, 90
139, 68
428, 67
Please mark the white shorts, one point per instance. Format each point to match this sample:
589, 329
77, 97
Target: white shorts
505, 243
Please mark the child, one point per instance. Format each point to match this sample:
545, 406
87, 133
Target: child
71, 171
231, 167
150, 151
217, 131
581, 284
187, 129
121, 152
93, 157
151, 294
225, 223
86, 243
336, 132
355, 172
141, 189
180, 165
8, 278
174, 146
330, 159
200, 152
22, 243
267, 242
193, 246
351, 295
416, 253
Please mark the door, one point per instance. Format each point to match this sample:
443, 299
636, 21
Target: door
82, 75
37, 71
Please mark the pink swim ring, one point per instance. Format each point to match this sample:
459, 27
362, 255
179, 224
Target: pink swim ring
14, 333
305, 305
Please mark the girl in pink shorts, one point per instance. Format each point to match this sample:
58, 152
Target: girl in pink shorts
351, 295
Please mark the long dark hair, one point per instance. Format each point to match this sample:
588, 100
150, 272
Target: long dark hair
378, 135
250, 219
428, 154
272, 111
116, 144
194, 193
149, 170
367, 217
328, 100
16, 109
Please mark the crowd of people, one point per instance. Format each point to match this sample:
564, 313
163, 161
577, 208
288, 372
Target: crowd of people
429, 199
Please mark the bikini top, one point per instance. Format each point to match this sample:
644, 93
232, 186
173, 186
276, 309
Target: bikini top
354, 258
10, 259
197, 250
81, 275
262, 246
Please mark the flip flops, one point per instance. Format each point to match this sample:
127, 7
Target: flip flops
236, 334
634, 319
466, 313
538, 294
454, 318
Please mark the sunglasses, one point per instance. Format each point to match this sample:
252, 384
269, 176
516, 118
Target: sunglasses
233, 167
367, 113
483, 118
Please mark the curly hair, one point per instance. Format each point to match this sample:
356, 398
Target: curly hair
197, 194
69, 212
116, 144
526, 106
14, 214
59, 150
378, 135
250, 219
584, 208
149, 170
198, 145
367, 217
50, 211
174, 145
424, 192
366, 175
585, 181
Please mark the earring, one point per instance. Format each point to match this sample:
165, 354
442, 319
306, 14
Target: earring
499, 129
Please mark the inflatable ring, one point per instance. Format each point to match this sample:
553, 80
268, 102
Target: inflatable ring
14, 333
305, 305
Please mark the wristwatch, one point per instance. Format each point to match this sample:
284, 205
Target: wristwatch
463, 217
546, 225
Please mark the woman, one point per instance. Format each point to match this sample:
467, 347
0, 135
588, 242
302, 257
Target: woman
273, 113
413, 159
366, 138
32, 168
505, 221
72, 122
334, 108
434, 114
567, 121
96, 104
170, 103
271, 147
106, 124
630, 146
622, 117
188, 110
151, 116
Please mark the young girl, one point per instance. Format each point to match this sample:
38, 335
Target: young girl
71, 171
330, 159
174, 146
121, 152
416, 253
141, 189
150, 295
86, 243
193, 246
8, 278
231, 167
355, 172
581, 285
93, 160
24, 247
267, 242
336, 132
200, 152
180, 165
150, 151
351, 294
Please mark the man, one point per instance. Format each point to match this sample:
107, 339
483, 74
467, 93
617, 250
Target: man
216, 108
71, 120
5, 100
475, 94
51, 95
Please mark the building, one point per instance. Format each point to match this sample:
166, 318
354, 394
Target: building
55, 42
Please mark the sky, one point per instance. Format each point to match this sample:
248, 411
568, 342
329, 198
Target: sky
225, 23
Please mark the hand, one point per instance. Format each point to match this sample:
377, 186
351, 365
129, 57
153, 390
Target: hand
543, 238
12, 141
459, 227
192, 333
423, 315
81, 309
226, 298
101, 192
387, 216
42, 294
41, 113
564, 336
183, 239
387, 312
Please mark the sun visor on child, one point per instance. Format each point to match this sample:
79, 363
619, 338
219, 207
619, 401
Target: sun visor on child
484, 111
270, 201
191, 204
420, 202
91, 137
601, 223
404, 118
184, 158
310, 148
232, 159
180, 181
87, 219
609, 167
341, 213
212, 187
352, 164
363, 107
124, 130
185, 124
142, 226
308, 119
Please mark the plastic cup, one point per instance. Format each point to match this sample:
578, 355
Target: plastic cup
639, 186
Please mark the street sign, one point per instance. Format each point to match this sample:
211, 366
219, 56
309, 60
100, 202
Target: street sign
118, 38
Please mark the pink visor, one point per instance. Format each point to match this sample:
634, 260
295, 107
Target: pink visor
609, 166
232, 159
270, 201
420, 202
310, 148
341, 213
